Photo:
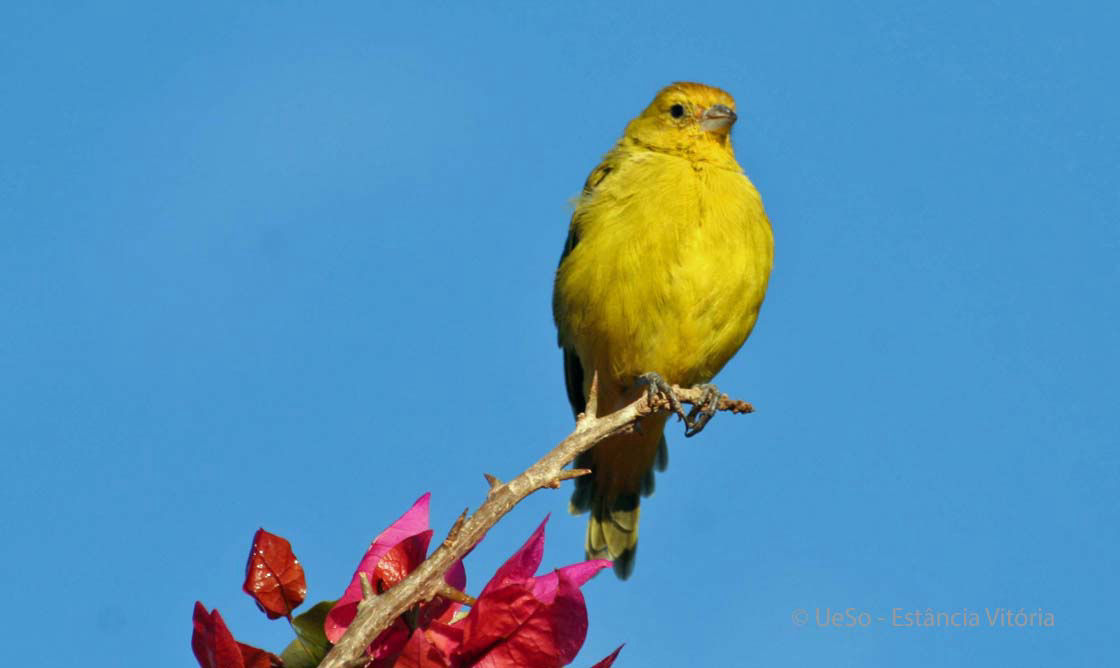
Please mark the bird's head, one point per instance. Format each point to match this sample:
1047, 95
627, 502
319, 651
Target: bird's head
688, 119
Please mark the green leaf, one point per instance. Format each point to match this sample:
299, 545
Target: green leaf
311, 644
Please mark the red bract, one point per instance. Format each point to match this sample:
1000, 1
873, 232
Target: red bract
214, 646
431, 647
258, 658
394, 554
609, 661
526, 620
273, 575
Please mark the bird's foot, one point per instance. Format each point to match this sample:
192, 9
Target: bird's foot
702, 411
656, 385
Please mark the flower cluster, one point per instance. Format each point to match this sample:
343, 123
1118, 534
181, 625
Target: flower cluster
519, 619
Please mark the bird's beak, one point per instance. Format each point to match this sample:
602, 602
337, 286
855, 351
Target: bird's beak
717, 118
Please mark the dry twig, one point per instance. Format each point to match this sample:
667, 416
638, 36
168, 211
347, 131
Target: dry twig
377, 612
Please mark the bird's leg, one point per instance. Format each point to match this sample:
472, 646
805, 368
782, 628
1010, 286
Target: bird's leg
702, 411
655, 385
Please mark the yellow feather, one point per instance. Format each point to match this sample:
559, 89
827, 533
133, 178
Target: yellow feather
668, 260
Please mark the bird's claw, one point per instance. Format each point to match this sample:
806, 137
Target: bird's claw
655, 385
703, 411
697, 418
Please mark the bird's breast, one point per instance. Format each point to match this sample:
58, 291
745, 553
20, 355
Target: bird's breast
669, 272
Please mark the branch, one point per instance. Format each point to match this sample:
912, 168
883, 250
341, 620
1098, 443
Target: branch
426, 582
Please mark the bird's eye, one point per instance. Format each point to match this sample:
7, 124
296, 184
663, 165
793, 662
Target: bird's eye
676, 111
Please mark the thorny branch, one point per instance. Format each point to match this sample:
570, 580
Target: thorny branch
377, 612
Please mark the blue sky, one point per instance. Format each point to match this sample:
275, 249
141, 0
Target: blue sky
289, 265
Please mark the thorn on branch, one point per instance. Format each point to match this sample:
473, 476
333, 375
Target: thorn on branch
367, 588
494, 482
566, 474
591, 409
447, 591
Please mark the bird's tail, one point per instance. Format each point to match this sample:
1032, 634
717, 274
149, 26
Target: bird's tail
612, 532
612, 494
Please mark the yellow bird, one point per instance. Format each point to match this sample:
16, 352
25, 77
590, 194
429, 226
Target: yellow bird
666, 264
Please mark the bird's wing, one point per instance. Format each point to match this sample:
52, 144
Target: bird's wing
573, 381
573, 368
